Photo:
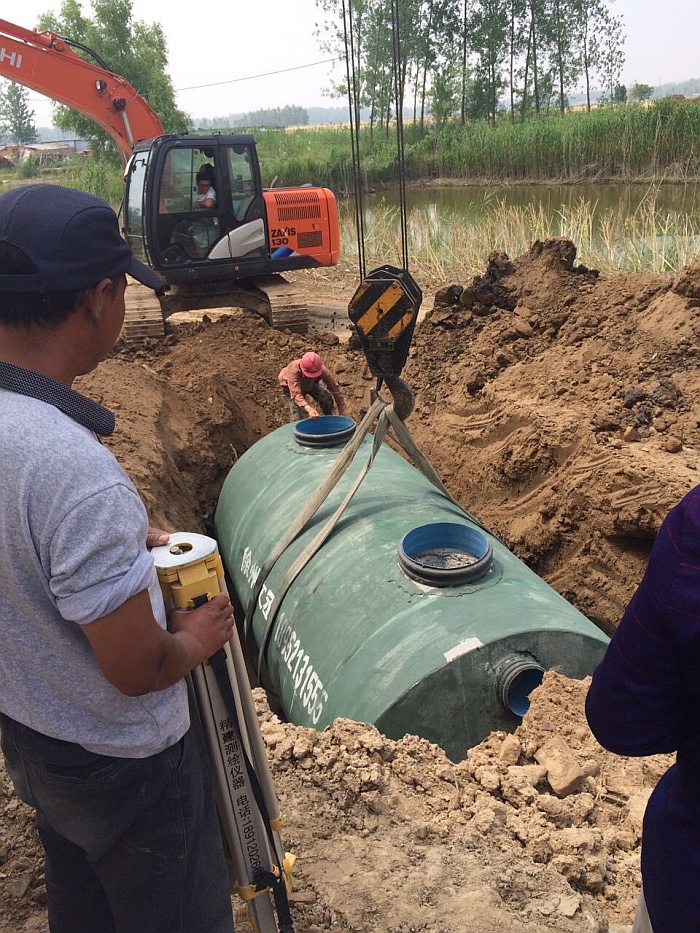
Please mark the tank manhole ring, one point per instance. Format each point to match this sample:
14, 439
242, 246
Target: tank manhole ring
324, 431
445, 554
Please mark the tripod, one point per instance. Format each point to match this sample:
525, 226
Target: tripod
190, 572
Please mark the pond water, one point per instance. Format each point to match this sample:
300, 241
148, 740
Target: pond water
634, 226
684, 199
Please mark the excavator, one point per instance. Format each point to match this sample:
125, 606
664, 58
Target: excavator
230, 252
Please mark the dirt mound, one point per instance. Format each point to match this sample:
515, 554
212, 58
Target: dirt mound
561, 408
394, 836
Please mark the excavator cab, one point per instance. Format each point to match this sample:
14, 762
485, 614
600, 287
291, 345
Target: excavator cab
227, 226
217, 243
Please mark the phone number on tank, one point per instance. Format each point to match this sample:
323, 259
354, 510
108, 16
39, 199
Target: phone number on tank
307, 683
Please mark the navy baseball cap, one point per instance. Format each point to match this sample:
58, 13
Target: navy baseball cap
72, 238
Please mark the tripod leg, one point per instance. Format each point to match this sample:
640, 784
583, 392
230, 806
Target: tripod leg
258, 753
241, 821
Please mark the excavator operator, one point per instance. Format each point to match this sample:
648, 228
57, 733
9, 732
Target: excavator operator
206, 195
195, 237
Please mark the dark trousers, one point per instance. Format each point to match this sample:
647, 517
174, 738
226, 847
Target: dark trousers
132, 844
319, 392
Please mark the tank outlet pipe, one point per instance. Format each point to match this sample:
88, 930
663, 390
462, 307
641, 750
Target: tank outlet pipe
516, 677
190, 572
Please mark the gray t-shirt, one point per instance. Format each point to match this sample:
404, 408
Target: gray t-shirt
72, 549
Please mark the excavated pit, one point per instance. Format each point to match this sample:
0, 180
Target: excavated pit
562, 409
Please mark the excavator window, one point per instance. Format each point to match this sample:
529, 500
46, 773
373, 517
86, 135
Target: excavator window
188, 228
134, 206
242, 182
177, 187
185, 230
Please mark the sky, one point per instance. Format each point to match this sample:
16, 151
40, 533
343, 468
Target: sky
240, 55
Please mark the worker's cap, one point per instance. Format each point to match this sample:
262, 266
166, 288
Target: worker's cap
311, 365
72, 238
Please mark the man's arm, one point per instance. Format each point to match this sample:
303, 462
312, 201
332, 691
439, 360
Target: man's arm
335, 390
295, 390
209, 200
137, 656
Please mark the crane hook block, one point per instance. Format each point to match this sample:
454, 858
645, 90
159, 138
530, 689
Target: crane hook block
383, 312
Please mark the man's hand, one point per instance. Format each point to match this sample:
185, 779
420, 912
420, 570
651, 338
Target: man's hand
311, 411
156, 537
209, 626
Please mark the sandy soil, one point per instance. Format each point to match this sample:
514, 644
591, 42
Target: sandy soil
561, 408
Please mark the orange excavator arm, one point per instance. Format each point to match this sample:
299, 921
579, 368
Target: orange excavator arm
44, 62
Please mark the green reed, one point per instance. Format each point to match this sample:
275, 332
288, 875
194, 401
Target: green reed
634, 141
97, 174
660, 141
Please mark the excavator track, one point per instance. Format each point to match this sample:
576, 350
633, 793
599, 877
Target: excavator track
144, 317
275, 299
288, 307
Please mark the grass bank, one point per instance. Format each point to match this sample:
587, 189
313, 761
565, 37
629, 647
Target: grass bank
658, 142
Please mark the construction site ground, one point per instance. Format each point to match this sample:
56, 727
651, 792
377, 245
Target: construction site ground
560, 407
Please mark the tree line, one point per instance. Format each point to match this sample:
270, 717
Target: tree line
466, 58
288, 115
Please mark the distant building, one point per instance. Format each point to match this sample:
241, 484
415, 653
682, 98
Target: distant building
51, 153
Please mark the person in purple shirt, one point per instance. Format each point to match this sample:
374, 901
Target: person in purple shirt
644, 699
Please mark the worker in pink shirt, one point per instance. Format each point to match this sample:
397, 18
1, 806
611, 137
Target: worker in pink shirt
308, 376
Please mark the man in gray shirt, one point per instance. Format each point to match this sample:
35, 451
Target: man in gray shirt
94, 710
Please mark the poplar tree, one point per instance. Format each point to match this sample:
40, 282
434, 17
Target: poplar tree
489, 42
16, 119
612, 56
565, 60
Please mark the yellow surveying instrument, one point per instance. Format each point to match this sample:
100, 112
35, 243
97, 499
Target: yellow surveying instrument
190, 572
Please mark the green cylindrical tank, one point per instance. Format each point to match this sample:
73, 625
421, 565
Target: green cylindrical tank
356, 635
